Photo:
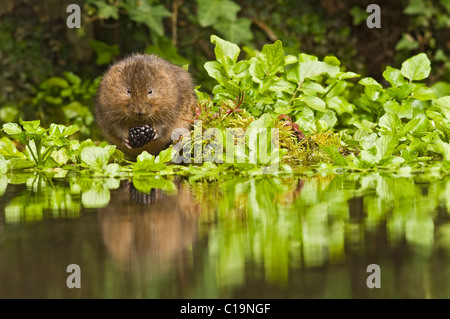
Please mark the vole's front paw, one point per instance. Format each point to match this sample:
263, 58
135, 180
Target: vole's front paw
126, 142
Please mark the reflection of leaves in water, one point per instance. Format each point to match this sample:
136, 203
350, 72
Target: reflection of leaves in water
146, 184
261, 220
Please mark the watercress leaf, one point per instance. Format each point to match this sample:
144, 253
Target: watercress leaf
8, 149
390, 121
216, 71
95, 157
335, 88
367, 142
315, 103
282, 107
3, 166
164, 156
306, 120
32, 127
386, 145
272, 56
12, 128
289, 59
112, 169
347, 75
333, 152
410, 126
394, 76
224, 49
60, 156
403, 110
443, 102
326, 119
314, 68
240, 68
340, 105
256, 70
19, 164
147, 166
416, 68
265, 121
281, 85
145, 156
369, 81
423, 93
303, 57
332, 60
409, 155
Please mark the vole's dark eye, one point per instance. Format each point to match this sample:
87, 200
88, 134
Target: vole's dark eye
128, 91
150, 91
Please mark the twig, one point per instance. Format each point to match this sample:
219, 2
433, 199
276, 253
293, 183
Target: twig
266, 29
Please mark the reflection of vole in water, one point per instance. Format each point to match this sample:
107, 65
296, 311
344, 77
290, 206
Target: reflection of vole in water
155, 232
144, 90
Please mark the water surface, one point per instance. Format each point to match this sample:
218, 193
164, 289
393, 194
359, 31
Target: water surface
263, 237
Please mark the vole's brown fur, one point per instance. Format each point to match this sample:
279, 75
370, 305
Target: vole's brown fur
123, 101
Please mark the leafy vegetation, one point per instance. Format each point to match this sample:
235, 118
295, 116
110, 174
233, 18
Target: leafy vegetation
321, 113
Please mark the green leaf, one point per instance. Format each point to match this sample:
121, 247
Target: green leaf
368, 81
333, 152
225, 51
105, 53
340, 105
235, 31
12, 128
394, 76
443, 102
272, 56
19, 164
72, 77
95, 157
165, 156
3, 166
407, 42
315, 103
54, 81
305, 70
60, 156
423, 93
106, 11
145, 156
209, 12
416, 68
390, 121
143, 11
147, 166
386, 145
216, 71
326, 119
402, 110
265, 121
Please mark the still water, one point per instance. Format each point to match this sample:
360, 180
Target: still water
309, 236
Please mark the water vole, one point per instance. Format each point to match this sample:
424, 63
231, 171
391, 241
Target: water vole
144, 91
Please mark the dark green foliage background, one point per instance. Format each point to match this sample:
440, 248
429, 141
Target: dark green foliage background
36, 44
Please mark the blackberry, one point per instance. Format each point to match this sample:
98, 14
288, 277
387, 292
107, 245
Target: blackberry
141, 135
